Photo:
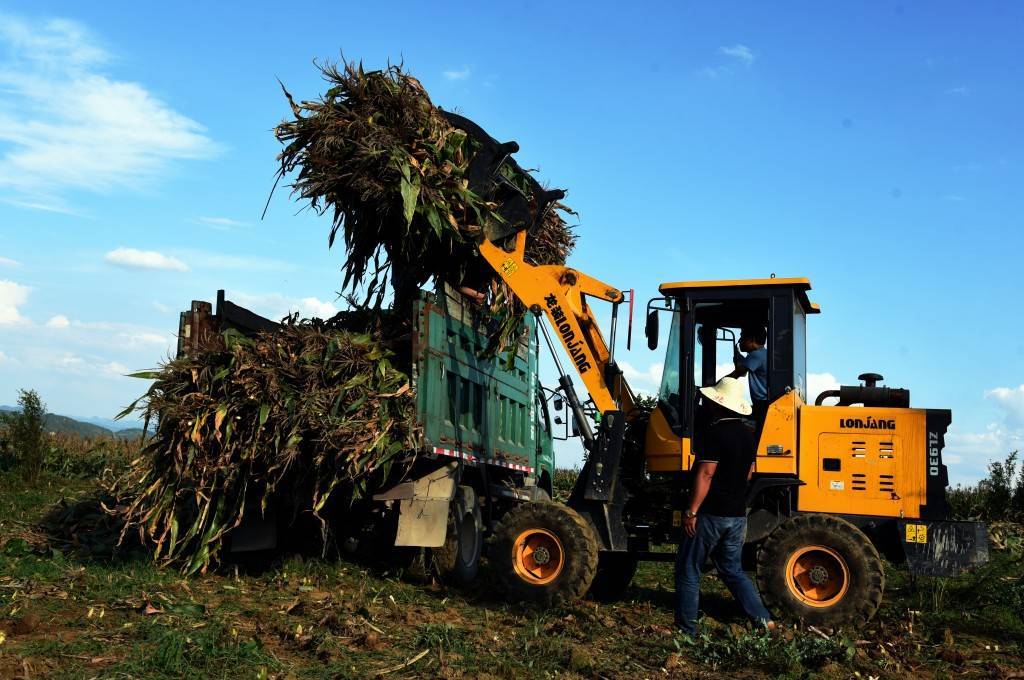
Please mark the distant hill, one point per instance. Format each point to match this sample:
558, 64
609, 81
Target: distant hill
113, 425
67, 425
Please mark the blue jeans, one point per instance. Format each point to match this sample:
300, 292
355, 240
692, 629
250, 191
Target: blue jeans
721, 538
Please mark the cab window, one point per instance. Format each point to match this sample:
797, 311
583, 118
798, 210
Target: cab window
668, 394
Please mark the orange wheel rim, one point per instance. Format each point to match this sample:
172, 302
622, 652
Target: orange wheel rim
817, 576
537, 556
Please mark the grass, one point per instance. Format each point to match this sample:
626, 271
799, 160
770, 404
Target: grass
65, 617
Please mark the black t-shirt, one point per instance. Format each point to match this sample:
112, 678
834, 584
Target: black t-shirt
729, 443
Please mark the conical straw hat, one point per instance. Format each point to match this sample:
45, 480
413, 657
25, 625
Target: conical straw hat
728, 392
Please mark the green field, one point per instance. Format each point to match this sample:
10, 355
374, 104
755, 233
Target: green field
65, 616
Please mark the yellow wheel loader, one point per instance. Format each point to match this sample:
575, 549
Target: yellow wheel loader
838, 482
836, 485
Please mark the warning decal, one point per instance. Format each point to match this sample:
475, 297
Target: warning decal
917, 533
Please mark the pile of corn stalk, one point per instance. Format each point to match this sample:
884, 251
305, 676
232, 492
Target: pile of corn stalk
294, 416
411, 191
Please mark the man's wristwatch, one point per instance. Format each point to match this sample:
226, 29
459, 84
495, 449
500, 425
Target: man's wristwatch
689, 513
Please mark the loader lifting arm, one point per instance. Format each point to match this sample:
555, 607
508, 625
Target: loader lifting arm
560, 292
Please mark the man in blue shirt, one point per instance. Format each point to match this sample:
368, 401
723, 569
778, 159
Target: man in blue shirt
755, 367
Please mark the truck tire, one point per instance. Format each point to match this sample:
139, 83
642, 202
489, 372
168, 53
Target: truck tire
615, 572
821, 569
544, 552
458, 560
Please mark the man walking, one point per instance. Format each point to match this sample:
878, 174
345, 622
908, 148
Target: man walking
715, 522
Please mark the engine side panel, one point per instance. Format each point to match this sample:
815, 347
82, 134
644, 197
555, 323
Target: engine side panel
867, 461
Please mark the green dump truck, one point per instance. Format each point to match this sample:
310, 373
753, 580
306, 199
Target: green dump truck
485, 439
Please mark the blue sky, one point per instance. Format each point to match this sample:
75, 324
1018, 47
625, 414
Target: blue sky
875, 148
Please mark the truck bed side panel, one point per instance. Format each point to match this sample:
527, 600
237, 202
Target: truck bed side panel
470, 406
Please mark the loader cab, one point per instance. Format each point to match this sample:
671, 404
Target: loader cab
705, 319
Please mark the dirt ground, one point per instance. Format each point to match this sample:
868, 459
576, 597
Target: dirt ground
63, 616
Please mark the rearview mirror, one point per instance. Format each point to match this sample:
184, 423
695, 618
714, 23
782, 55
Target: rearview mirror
557, 403
651, 329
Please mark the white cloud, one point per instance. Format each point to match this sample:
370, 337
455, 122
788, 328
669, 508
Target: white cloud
1011, 402
53, 43
722, 370
275, 306
144, 259
116, 368
44, 204
87, 366
311, 306
648, 380
114, 335
78, 369
145, 338
201, 259
4, 358
818, 383
110, 134
973, 451
161, 307
221, 222
58, 321
959, 91
107, 336
987, 444
714, 71
70, 360
739, 52
12, 296
8, 262
956, 198
460, 74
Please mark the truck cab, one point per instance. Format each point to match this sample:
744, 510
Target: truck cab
705, 321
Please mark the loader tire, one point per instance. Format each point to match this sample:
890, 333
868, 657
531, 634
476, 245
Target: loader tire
458, 560
544, 552
821, 569
615, 572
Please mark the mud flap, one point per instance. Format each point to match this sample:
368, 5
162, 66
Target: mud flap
423, 507
943, 548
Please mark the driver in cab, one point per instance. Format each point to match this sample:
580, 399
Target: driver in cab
755, 366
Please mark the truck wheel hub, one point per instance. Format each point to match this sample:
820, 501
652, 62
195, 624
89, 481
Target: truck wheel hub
818, 575
538, 556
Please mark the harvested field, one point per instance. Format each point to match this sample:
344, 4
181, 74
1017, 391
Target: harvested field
64, 615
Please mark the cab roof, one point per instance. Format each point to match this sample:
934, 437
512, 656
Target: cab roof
800, 286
